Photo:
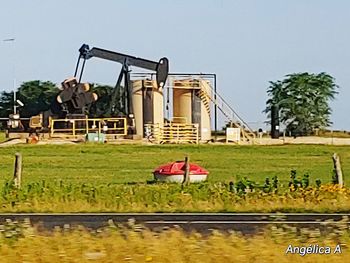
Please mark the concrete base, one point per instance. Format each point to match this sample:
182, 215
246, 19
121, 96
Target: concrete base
133, 137
178, 178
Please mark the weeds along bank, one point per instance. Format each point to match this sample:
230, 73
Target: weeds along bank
205, 197
22, 243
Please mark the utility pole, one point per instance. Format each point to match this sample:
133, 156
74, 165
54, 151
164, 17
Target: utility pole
14, 97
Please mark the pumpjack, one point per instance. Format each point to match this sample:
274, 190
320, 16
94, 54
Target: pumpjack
75, 98
121, 99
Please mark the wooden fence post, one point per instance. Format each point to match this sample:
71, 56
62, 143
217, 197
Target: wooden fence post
17, 176
186, 179
337, 169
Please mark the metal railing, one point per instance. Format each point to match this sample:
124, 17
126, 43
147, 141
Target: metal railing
228, 111
172, 133
178, 120
74, 127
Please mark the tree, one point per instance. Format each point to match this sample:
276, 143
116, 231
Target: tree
100, 107
302, 99
6, 104
36, 96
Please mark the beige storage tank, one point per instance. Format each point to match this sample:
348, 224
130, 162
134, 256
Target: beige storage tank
182, 105
158, 105
137, 105
191, 102
205, 126
147, 103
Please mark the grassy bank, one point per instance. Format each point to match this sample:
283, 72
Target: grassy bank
138, 245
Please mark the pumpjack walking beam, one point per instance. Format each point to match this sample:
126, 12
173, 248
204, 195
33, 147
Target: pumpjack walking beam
161, 68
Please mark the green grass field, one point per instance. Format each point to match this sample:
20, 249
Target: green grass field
102, 164
112, 178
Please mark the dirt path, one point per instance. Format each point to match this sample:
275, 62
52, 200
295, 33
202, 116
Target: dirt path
258, 141
303, 140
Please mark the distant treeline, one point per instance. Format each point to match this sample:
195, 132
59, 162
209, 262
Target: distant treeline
37, 97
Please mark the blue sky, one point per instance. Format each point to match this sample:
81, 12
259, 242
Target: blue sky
246, 43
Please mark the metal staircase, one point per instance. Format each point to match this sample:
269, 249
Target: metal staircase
204, 96
207, 94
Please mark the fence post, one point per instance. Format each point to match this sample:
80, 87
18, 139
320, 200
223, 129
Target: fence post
337, 169
74, 128
86, 125
186, 179
52, 123
17, 176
